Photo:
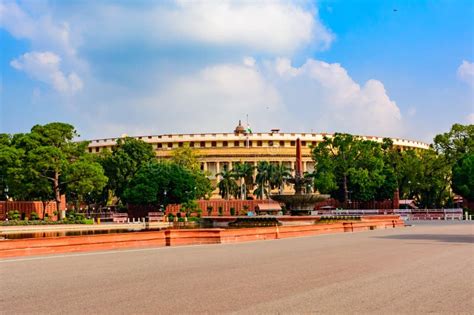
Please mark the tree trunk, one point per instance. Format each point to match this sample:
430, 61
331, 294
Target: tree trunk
346, 191
44, 203
57, 194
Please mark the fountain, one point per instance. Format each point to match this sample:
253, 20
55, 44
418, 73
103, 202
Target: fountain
299, 203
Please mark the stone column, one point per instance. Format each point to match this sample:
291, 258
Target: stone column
304, 167
230, 166
218, 170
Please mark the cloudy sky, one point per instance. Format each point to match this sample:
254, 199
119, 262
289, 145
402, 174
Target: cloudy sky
392, 68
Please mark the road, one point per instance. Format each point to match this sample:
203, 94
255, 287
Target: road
420, 269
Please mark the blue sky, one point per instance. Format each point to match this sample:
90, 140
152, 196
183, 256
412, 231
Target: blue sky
148, 67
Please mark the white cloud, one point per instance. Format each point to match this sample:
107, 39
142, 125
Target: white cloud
317, 95
324, 96
42, 31
466, 72
45, 67
273, 27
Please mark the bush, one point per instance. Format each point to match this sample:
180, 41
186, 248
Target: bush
170, 217
255, 222
232, 211
34, 216
13, 215
221, 211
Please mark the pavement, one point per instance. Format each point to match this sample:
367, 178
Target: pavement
425, 268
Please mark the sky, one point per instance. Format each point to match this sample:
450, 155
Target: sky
386, 68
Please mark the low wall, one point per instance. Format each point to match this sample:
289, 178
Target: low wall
25, 208
67, 244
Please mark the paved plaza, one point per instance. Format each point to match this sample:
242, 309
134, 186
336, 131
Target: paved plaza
424, 268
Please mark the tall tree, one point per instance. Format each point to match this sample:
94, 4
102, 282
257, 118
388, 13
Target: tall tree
187, 158
463, 176
244, 173
265, 172
347, 165
124, 162
161, 183
227, 185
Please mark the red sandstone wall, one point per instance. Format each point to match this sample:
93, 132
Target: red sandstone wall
238, 205
27, 207
41, 246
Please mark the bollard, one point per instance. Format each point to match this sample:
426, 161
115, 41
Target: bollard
128, 220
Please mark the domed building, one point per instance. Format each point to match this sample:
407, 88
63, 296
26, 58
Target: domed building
219, 151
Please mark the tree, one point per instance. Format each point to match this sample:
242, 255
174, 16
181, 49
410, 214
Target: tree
124, 162
455, 143
265, 172
187, 158
161, 183
345, 164
227, 185
244, 173
84, 177
280, 174
463, 176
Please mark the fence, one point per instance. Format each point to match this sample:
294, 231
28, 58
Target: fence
406, 214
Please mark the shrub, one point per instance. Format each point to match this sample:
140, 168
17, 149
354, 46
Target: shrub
209, 210
170, 217
34, 216
221, 211
232, 211
13, 215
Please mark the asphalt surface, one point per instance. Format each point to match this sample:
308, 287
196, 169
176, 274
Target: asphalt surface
427, 268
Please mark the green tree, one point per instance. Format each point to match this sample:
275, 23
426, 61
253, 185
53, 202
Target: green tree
345, 164
463, 176
280, 173
227, 185
161, 183
244, 173
187, 158
124, 162
265, 173
84, 177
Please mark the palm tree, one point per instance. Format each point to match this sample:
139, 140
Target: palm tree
227, 185
280, 173
244, 172
264, 175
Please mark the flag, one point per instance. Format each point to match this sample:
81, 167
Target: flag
248, 129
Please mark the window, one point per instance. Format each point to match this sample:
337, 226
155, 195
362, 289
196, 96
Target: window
282, 143
292, 143
270, 143
149, 137
90, 150
303, 143
313, 143
191, 144
225, 144
159, 145
236, 143
180, 144
213, 144
250, 143
203, 144
97, 149
170, 144
259, 143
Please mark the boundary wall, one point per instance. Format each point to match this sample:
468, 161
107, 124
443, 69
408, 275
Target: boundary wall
173, 237
27, 207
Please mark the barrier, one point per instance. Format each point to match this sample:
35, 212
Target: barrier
67, 244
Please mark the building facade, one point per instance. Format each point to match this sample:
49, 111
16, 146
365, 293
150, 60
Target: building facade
220, 151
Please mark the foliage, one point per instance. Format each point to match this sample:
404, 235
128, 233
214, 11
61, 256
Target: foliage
209, 210
232, 211
347, 165
227, 185
43, 164
255, 222
463, 176
189, 207
244, 173
127, 157
34, 216
162, 183
220, 211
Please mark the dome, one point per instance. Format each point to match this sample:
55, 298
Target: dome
239, 129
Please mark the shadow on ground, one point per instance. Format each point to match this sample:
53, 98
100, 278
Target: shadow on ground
448, 238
